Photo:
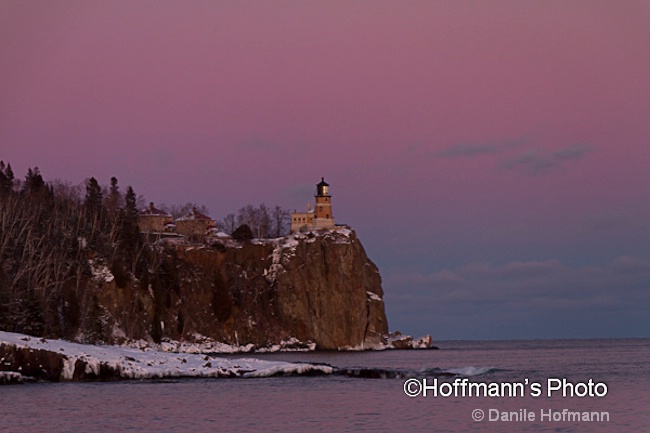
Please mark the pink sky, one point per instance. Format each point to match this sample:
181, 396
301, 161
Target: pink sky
453, 133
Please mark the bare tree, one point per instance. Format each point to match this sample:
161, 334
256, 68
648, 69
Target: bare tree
229, 223
178, 211
280, 219
247, 215
263, 222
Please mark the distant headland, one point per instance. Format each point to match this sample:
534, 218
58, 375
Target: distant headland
93, 268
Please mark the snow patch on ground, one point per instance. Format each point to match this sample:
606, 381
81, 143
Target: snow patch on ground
285, 248
147, 363
290, 345
340, 235
7, 377
101, 271
344, 231
201, 344
394, 340
373, 296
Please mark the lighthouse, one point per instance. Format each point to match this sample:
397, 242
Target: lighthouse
321, 217
323, 199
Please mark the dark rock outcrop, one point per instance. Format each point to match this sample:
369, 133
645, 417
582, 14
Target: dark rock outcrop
33, 363
316, 287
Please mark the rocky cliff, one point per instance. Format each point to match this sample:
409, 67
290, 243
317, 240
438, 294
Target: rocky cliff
316, 287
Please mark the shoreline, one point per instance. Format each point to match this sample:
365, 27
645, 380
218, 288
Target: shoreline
25, 358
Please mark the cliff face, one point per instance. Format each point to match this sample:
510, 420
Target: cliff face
330, 292
319, 288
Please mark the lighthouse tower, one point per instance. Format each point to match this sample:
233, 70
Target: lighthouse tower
323, 216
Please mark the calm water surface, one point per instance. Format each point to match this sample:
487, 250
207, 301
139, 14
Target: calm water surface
335, 403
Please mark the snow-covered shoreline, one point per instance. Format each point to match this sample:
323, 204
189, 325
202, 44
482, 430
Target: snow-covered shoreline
118, 362
25, 358
200, 344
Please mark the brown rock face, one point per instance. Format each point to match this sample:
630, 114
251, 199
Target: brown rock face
38, 364
330, 293
320, 288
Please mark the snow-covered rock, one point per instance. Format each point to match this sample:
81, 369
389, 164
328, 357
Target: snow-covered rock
10, 377
23, 355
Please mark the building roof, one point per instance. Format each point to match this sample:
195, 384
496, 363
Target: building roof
152, 210
195, 215
322, 182
199, 216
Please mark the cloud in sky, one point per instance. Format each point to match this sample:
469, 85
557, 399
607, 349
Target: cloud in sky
536, 162
531, 162
574, 152
611, 219
468, 149
520, 154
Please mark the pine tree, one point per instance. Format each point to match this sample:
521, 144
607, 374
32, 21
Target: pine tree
94, 210
34, 183
93, 197
129, 238
3, 181
6, 180
131, 207
113, 199
9, 174
243, 233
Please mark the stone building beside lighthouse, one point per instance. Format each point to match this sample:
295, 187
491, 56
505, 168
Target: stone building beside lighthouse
321, 217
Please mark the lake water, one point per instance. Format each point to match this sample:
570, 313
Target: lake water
341, 403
